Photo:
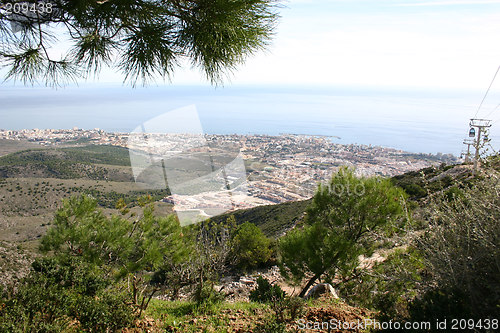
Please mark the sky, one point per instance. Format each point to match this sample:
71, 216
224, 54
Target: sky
439, 44
446, 44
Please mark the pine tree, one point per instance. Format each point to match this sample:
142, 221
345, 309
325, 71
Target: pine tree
144, 39
345, 218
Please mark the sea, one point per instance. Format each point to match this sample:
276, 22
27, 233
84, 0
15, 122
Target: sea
414, 120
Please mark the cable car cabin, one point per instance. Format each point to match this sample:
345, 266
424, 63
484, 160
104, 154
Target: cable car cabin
472, 133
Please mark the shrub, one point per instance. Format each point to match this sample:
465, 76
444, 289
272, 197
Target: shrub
250, 247
284, 308
270, 326
415, 190
388, 286
440, 304
265, 292
288, 308
206, 295
453, 193
57, 295
461, 251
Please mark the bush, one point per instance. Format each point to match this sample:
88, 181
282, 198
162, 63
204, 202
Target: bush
56, 295
388, 286
265, 292
283, 308
250, 247
440, 304
453, 193
206, 295
208, 259
415, 190
105, 312
270, 326
288, 308
461, 250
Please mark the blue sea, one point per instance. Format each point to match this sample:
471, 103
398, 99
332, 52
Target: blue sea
412, 120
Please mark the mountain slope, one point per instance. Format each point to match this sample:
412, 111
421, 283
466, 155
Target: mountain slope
89, 162
274, 220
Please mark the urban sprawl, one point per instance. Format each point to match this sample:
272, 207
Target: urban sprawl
279, 168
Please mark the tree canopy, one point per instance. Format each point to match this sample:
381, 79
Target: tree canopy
120, 247
250, 247
144, 39
344, 219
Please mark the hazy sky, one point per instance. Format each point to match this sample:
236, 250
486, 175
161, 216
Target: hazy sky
411, 43
444, 44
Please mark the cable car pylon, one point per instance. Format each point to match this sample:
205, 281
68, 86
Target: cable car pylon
469, 143
481, 125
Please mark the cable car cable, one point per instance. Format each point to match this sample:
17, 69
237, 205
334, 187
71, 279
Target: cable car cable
496, 107
487, 91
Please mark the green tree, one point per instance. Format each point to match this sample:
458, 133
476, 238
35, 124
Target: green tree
132, 249
143, 39
344, 219
250, 247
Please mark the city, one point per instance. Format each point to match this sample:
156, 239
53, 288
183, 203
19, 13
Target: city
273, 169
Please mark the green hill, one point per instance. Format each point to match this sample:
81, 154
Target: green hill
90, 162
274, 220
33, 181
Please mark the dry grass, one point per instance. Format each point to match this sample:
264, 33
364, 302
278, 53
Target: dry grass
12, 146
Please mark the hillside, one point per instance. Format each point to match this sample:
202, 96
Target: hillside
89, 162
33, 181
274, 220
238, 310
12, 146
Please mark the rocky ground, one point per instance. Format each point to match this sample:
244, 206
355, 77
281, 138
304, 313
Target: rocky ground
238, 288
